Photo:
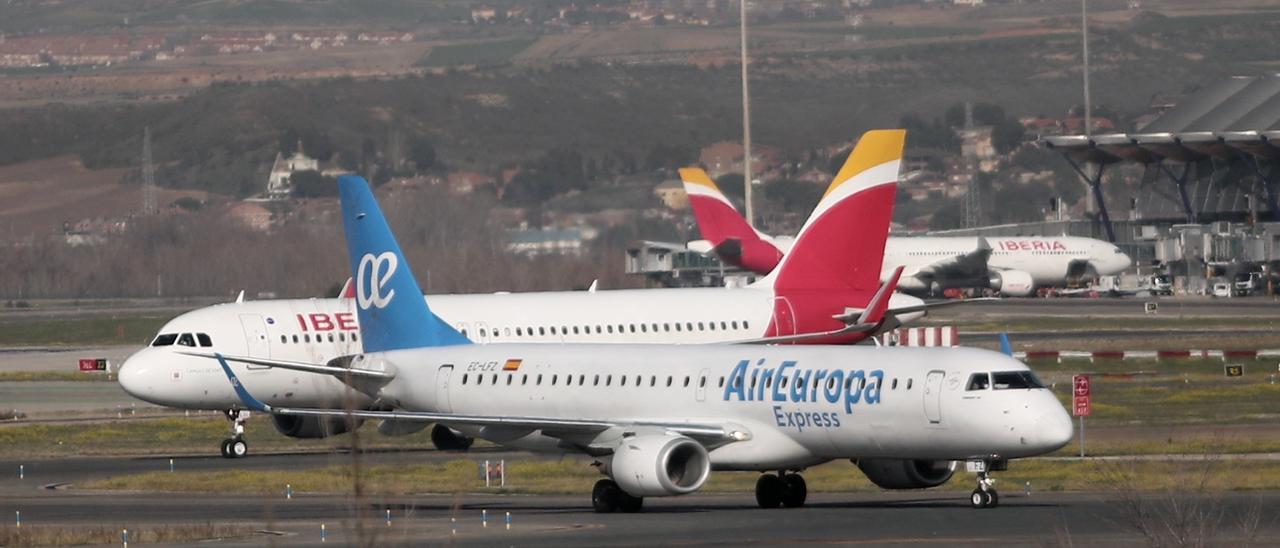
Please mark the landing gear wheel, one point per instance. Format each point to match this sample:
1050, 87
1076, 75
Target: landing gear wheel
630, 504
226, 449
769, 491
978, 499
606, 497
993, 498
794, 491
239, 448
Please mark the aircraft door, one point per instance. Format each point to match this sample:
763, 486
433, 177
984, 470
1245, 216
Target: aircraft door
704, 377
933, 397
255, 336
443, 376
784, 317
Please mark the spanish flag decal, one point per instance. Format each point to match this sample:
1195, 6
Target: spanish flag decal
511, 365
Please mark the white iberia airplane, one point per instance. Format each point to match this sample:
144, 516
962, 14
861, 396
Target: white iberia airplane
828, 291
1015, 266
659, 418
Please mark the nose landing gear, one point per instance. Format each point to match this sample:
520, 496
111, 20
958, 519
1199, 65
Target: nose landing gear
235, 447
985, 496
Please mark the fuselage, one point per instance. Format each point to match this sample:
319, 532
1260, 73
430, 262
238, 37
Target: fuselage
800, 405
1051, 261
318, 330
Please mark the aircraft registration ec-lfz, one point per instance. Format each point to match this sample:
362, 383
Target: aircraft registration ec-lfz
1013, 266
823, 293
659, 418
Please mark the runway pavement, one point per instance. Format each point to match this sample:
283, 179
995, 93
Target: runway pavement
914, 517
1252, 307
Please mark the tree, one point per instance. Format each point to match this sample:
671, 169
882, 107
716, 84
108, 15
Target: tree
311, 184
422, 153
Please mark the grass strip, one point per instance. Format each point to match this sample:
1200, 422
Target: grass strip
41, 376
48, 535
575, 476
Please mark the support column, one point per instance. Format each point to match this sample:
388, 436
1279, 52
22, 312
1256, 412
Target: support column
1267, 187
1095, 186
1181, 183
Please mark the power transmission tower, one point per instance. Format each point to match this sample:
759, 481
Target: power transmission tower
148, 175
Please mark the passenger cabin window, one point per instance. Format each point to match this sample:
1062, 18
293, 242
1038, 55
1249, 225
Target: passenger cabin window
186, 340
166, 339
1009, 380
204, 339
979, 381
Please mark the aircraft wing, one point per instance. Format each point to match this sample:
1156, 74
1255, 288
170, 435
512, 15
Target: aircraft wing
870, 318
707, 433
340, 372
965, 265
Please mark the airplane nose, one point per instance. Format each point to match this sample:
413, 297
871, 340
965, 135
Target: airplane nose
1053, 430
133, 378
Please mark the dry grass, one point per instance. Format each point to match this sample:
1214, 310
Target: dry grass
45, 535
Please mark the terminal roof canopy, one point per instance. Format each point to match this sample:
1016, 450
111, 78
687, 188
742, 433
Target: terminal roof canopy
1231, 116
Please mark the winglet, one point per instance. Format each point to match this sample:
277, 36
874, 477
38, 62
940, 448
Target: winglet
1005, 347
348, 290
254, 404
879, 304
240, 297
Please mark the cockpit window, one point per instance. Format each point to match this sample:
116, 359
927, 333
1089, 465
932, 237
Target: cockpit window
186, 340
1009, 380
979, 381
204, 340
165, 339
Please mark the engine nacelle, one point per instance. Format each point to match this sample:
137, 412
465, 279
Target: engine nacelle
448, 439
754, 255
659, 466
312, 427
1013, 283
907, 474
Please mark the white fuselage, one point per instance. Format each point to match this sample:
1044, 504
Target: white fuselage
800, 405
318, 330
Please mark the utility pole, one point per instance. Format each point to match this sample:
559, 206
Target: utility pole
148, 175
1084, 38
746, 121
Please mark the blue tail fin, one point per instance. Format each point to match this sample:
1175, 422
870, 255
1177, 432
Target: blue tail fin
393, 314
1005, 347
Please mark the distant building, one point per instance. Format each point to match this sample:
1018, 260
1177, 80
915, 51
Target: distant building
278, 186
549, 241
672, 194
726, 157
465, 182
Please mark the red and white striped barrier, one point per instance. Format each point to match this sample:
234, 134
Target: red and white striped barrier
1228, 354
922, 336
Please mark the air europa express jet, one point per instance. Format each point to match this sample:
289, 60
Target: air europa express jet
824, 292
659, 418
1014, 266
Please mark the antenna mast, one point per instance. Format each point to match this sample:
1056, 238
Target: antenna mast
746, 121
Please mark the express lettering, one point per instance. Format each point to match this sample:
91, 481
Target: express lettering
801, 419
788, 383
342, 321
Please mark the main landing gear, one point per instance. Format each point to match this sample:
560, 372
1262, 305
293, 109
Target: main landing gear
607, 498
985, 495
235, 447
784, 489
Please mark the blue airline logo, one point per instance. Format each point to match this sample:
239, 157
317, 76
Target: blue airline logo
790, 384
372, 276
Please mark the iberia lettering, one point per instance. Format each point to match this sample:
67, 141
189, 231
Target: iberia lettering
1032, 245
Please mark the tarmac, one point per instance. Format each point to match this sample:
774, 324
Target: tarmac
48, 496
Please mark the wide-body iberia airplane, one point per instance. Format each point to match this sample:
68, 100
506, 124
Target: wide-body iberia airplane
827, 291
1014, 266
659, 418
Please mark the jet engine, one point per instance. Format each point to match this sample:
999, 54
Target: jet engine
754, 255
1013, 283
659, 465
448, 439
312, 427
907, 474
